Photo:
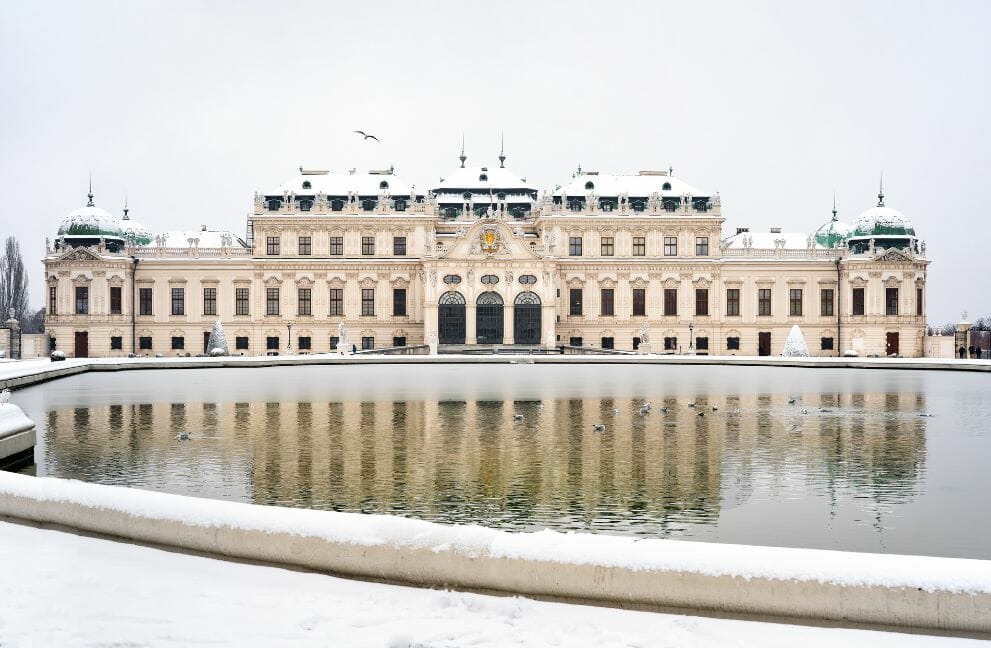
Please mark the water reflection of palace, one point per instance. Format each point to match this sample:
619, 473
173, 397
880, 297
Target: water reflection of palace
471, 461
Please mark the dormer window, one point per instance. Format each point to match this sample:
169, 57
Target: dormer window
589, 186
383, 185
484, 177
273, 205
466, 195
305, 205
306, 184
666, 186
501, 195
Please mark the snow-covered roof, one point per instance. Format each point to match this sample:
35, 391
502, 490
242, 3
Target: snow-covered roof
767, 240
90, 221
482, 198
882, 220
206, 239
135, 232
481, 179
363, 183
833, 234
643, 185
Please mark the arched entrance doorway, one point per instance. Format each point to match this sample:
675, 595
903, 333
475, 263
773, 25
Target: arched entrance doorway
526, 318
488, 318
451, 318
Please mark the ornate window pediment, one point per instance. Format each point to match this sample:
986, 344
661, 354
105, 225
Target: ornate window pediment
639, 282
701, 282
273, 281
116, 281
399, 282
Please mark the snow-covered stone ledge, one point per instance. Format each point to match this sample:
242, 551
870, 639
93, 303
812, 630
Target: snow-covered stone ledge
17, 436
934, 594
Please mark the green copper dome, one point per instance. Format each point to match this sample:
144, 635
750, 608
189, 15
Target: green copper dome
833, 234
91, 222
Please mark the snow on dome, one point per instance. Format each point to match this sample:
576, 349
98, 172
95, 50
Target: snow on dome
833, 234
91, 222
362, 183
135, 233
883, 221
642, 185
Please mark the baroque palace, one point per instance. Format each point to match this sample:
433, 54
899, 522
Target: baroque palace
632, 262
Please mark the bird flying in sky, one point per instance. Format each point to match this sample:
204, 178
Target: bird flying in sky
367, 136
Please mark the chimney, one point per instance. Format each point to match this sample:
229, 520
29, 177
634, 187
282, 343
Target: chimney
741, 230
202, 228
775, 230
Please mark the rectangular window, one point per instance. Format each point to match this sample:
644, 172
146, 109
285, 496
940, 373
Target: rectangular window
209, 301
271, 301
639, 246
304, 343
858, 301
607, 343
575, 301
826, 344
670, 344
336, 301
305, 248
178, 343
52, 299
367, 245
241, 343
272, 245
639, 302
304, 306
764, 302
240, 301
733, 302
144, 300
336, 245
398, 302
918, 302
701, 302
115, 300
701, 246
826, 302
607, 246
891, 301
399, 341
795, 302
732, 344
116, 343
670, 246
178, 301
144, 343
368, 301
272, 343
367, 343
606, 302
82, 300
574, 246
701, 344
575, 341
670, 301
334, 340
398, 246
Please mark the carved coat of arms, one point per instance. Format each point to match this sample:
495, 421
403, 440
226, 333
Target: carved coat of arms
489, 240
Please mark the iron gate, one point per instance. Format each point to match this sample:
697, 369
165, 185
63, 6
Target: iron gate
526, 318
451, 318
489, 318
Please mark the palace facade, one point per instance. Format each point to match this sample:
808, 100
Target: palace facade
631, 262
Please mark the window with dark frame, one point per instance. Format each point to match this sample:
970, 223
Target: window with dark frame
368, 301
304, 343
764, 302
398, 302
178, 301
574, 246
606, 302
115, 300
116, 343
891, 301
52, 300
367, 245
272, 343
732, 302
575, 341
670, 301
178, 343
826, 344
701, 246
399, 246
144, 301
304, 302
367, 343
336, 245
858, 301
209, 301
701, 344
918, 302
701, 302
241, 342
575, 301
272, 244
607, 246
639, 302
795, 302
607, 343
334, 341
732, 344
337, 301
639, 246
271, 301
670, 246
399, 340
305, 247
826, 306
241, 301
144, 343
670, 344
82, 300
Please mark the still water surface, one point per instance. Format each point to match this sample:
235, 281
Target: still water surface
852, 464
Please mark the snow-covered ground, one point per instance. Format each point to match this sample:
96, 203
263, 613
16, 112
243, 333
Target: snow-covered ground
60, 589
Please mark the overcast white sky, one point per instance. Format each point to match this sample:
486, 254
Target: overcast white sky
190, 107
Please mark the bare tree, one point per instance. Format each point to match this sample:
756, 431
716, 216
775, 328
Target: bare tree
949, 328
34, 321
13, 281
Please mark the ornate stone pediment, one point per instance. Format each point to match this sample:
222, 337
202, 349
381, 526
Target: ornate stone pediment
489, 239
892, 254
80, 254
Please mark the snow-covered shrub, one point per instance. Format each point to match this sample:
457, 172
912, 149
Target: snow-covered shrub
57, 355
795, 346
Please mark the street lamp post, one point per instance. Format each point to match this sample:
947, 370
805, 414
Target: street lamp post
289, 345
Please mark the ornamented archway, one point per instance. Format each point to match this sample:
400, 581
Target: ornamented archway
451, 318
489, 318
526, 318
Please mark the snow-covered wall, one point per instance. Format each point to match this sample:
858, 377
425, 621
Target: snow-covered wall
932, 593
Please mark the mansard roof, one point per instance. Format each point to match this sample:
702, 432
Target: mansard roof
481, 179
642, 185
330, 183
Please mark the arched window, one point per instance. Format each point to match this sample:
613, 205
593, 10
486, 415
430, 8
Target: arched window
589, 186
527, 298
383, 185
452, 297
490, 279
489, 299
483, 177
452, 280
306, 184
666, 186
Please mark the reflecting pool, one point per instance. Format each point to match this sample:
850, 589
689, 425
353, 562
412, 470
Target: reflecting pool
860, 460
